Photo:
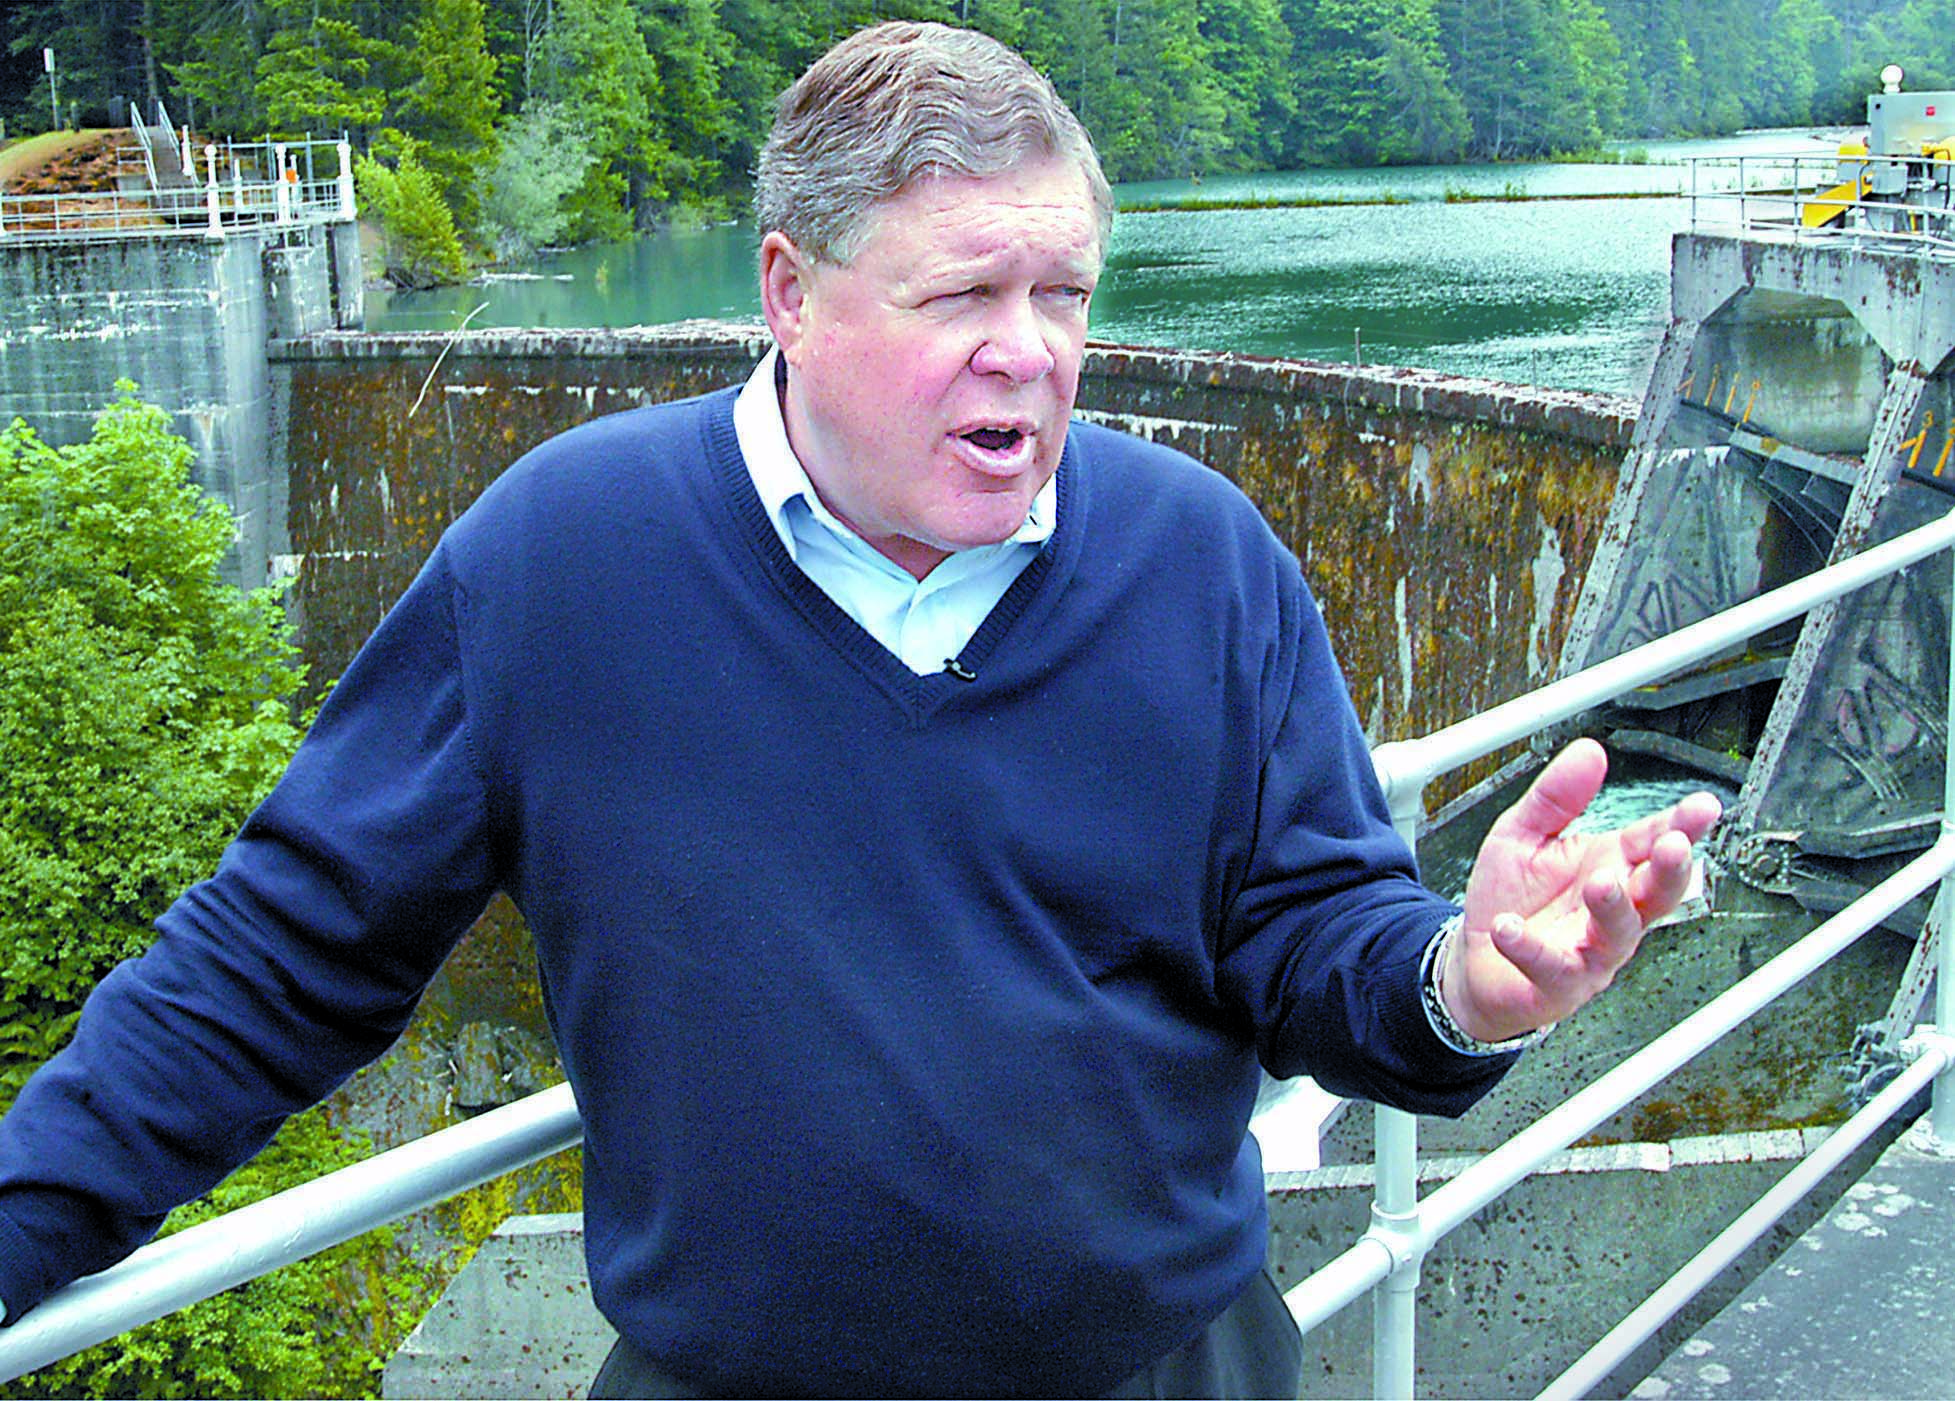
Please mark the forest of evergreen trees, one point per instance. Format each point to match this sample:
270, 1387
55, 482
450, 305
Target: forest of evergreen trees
566, 120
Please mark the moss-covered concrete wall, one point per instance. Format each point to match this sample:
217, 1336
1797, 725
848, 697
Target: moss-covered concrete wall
1444, 523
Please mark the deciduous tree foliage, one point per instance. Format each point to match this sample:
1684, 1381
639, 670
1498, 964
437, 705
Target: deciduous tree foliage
144, 711
544, 157
1921, 38
143, 708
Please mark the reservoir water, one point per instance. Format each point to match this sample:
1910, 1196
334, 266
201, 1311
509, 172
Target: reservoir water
1570, 292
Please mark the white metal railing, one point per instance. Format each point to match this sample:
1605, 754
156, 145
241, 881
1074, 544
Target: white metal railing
194, 1264
1904, 201
180, 1270
1403, 1227
239, 187
144, 147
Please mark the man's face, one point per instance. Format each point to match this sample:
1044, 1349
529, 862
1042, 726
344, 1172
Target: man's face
930, 381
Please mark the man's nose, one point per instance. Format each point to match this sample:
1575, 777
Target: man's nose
1015, 343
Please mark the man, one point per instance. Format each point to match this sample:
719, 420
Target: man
930, 815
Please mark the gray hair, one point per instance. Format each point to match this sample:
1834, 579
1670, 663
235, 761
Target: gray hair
898, 102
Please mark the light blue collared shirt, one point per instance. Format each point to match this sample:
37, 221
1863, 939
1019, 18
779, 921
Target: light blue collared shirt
924, 622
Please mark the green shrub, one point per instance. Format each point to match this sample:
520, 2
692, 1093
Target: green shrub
544, 157
423, 248
143, 708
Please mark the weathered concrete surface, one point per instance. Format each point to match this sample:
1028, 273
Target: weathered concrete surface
187, 319
518, 1321
1512, 1297
1905, 303
1506, 1302
1858, 1306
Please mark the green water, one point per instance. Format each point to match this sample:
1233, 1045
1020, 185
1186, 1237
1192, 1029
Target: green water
1563, 292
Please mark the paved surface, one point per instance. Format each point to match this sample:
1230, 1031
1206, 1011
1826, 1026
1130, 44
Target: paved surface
1861, 1305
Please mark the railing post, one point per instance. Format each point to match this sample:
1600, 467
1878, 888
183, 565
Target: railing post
282, 191
1941, 1108
1395, 1213
345, 179
210, 191
1395, 1190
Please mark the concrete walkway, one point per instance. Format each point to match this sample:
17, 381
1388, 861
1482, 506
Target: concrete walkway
1861, 1305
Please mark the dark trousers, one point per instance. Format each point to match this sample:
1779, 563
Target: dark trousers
1251, 1351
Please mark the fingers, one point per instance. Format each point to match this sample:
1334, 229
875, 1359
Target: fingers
1565, 912
1560, 792
1660, 883
1539, 962
1619, 904
1693, 816
1615, 921
1565, 973
1696, 815
1657, 853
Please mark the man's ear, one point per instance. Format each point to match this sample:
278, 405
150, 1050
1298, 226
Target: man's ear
785, 275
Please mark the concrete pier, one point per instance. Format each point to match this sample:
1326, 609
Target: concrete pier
1802, 409
188, 318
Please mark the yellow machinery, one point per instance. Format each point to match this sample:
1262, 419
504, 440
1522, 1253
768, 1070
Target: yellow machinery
1830, 206
1908, 159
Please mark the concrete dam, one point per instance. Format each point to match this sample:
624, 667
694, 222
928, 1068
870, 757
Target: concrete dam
1387, 483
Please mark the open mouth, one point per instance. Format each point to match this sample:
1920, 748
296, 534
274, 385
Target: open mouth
993, 439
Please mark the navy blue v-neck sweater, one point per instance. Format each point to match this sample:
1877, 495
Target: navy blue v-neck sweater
915, 1021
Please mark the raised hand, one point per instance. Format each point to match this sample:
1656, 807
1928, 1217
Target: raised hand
1551, 915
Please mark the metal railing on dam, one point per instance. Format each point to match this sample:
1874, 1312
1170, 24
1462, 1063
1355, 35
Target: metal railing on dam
243, 186
1808, 198
1384, 1260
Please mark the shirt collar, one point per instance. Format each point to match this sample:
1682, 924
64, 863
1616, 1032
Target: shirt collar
779, 478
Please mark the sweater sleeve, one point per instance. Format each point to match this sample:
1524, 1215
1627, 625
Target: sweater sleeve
299, 961
1325, 935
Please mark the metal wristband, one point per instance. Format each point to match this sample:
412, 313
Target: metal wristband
1440, 1015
